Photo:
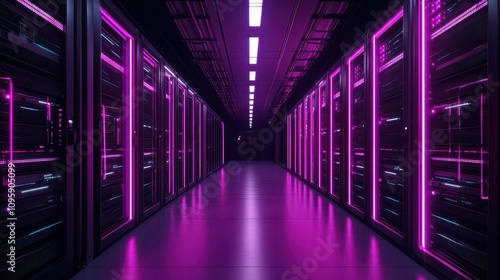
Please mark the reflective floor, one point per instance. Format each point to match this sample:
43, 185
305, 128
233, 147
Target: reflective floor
252, 221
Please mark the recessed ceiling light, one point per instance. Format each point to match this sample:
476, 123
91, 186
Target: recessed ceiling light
254, 49
253, 75
255, 12
251, 102
251, 88
251, 107
252, 96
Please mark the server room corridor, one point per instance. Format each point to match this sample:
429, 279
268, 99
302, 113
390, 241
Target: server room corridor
260, 222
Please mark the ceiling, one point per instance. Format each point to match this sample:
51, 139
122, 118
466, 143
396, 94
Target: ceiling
207, 42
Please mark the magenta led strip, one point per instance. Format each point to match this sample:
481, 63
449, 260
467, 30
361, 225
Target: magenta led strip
112, 63
472, 10
349, 121
318, 130
11, 117
183, 92
104, 140
311, 137
332, 91
375, 113
126, 36
223, 143
423, 135
35, 9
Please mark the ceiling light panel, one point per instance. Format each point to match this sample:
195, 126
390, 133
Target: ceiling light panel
254, 12
253, 75
254, 49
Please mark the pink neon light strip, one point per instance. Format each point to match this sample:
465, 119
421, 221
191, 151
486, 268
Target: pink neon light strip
358, 83
472, 10
375, 112
148, 86
183, 92
149, 58
318, 131
104, 141
423, 134
112, 63
35, 9
392, 62
106, 17
311, 138
223, 132
349, 122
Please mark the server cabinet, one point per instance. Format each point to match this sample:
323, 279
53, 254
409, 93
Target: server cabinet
189, 125
198, 132
357, 132
312, 136
180, 140
388, 128
115, 188
336, 143
149, 121
167, 115
300, 144
295, 141
454, 105
305, 141
36, 94
323, 136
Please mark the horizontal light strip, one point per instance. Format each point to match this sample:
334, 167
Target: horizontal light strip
112, 63
472, 10
35, 9
149, 87
392, 62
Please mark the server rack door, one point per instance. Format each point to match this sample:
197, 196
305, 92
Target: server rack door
356, 192
34, 103
306, 148
181, 138
296, 141
209, 143
189, 138
454, 106
388, 127
289, 141
336, 133
149, 124
323, 137
311, 142
197, 143
300, 144
168, 135
116, 187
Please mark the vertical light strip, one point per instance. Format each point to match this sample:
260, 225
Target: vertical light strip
11, 118
318, 131
131, 124
104, 141
184, 154
193, 153
200, 156
311, 137
223, 134
332, 144
423, 82
374, 126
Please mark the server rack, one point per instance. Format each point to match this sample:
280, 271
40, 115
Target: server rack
336, 135
149, 123
114, 85
36, 98
311, 141
181, 136
453, 190
357, 192
167, 114
388, 129
323, 136
189, 150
